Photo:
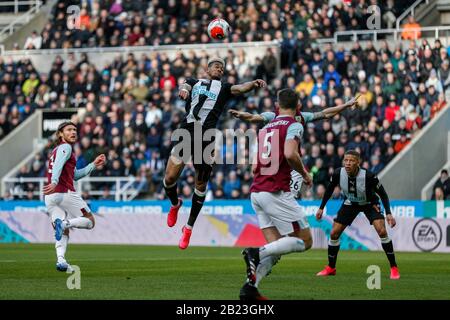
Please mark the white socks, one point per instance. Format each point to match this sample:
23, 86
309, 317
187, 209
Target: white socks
385, 240
61, 247
334, 243
264, 267
282, 246
271, 253
79, 223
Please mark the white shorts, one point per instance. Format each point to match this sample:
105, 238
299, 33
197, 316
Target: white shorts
280, 210
296, 184
65, 205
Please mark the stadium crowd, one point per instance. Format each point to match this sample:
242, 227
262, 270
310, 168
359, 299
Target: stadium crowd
116, 23
132, 108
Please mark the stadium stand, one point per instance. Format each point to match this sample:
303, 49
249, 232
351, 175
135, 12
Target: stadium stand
132, 108
137, 23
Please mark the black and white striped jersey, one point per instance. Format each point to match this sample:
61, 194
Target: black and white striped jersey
363, 189
206, 102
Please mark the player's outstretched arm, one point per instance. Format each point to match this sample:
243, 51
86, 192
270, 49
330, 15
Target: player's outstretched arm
332, 111
97, 163
247, 116
239, 89
62, 155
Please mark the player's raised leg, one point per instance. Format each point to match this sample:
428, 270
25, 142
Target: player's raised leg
173, 171
388, 247
79, 213
263, 269
260, 261
202, 174
333, 249
286, 231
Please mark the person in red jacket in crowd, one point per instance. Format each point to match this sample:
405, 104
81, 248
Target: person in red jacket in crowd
167, 77
413, 121
391, 109
438, 105
402, 143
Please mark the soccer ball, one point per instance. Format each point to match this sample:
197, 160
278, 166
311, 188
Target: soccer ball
218, 29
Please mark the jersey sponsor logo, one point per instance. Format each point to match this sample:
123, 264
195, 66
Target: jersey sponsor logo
199, 90
427, 234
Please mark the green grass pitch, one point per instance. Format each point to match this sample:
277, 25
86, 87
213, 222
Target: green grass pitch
27, 271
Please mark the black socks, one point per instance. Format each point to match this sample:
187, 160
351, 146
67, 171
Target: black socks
197, 203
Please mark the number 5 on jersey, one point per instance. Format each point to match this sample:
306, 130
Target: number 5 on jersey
267, 145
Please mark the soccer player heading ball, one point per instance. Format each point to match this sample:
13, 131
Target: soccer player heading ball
66, 207
205, 102
361, 189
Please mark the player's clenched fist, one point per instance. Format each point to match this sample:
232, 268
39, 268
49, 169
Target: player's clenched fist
49, 189
100, 161
391, 220
185, 90
307, 180
235, 113
258, 83
183, 94
319, 214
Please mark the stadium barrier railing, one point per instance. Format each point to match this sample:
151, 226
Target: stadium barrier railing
410, 11
16, 4
101, 56
435, 32
21, 19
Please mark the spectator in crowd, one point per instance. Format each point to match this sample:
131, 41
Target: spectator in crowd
438, 194
401, 143
411, 29
33, 42
443, 184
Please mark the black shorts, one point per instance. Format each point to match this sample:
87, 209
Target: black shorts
348, 213
200, 153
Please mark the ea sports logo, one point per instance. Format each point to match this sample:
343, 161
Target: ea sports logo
427, 234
